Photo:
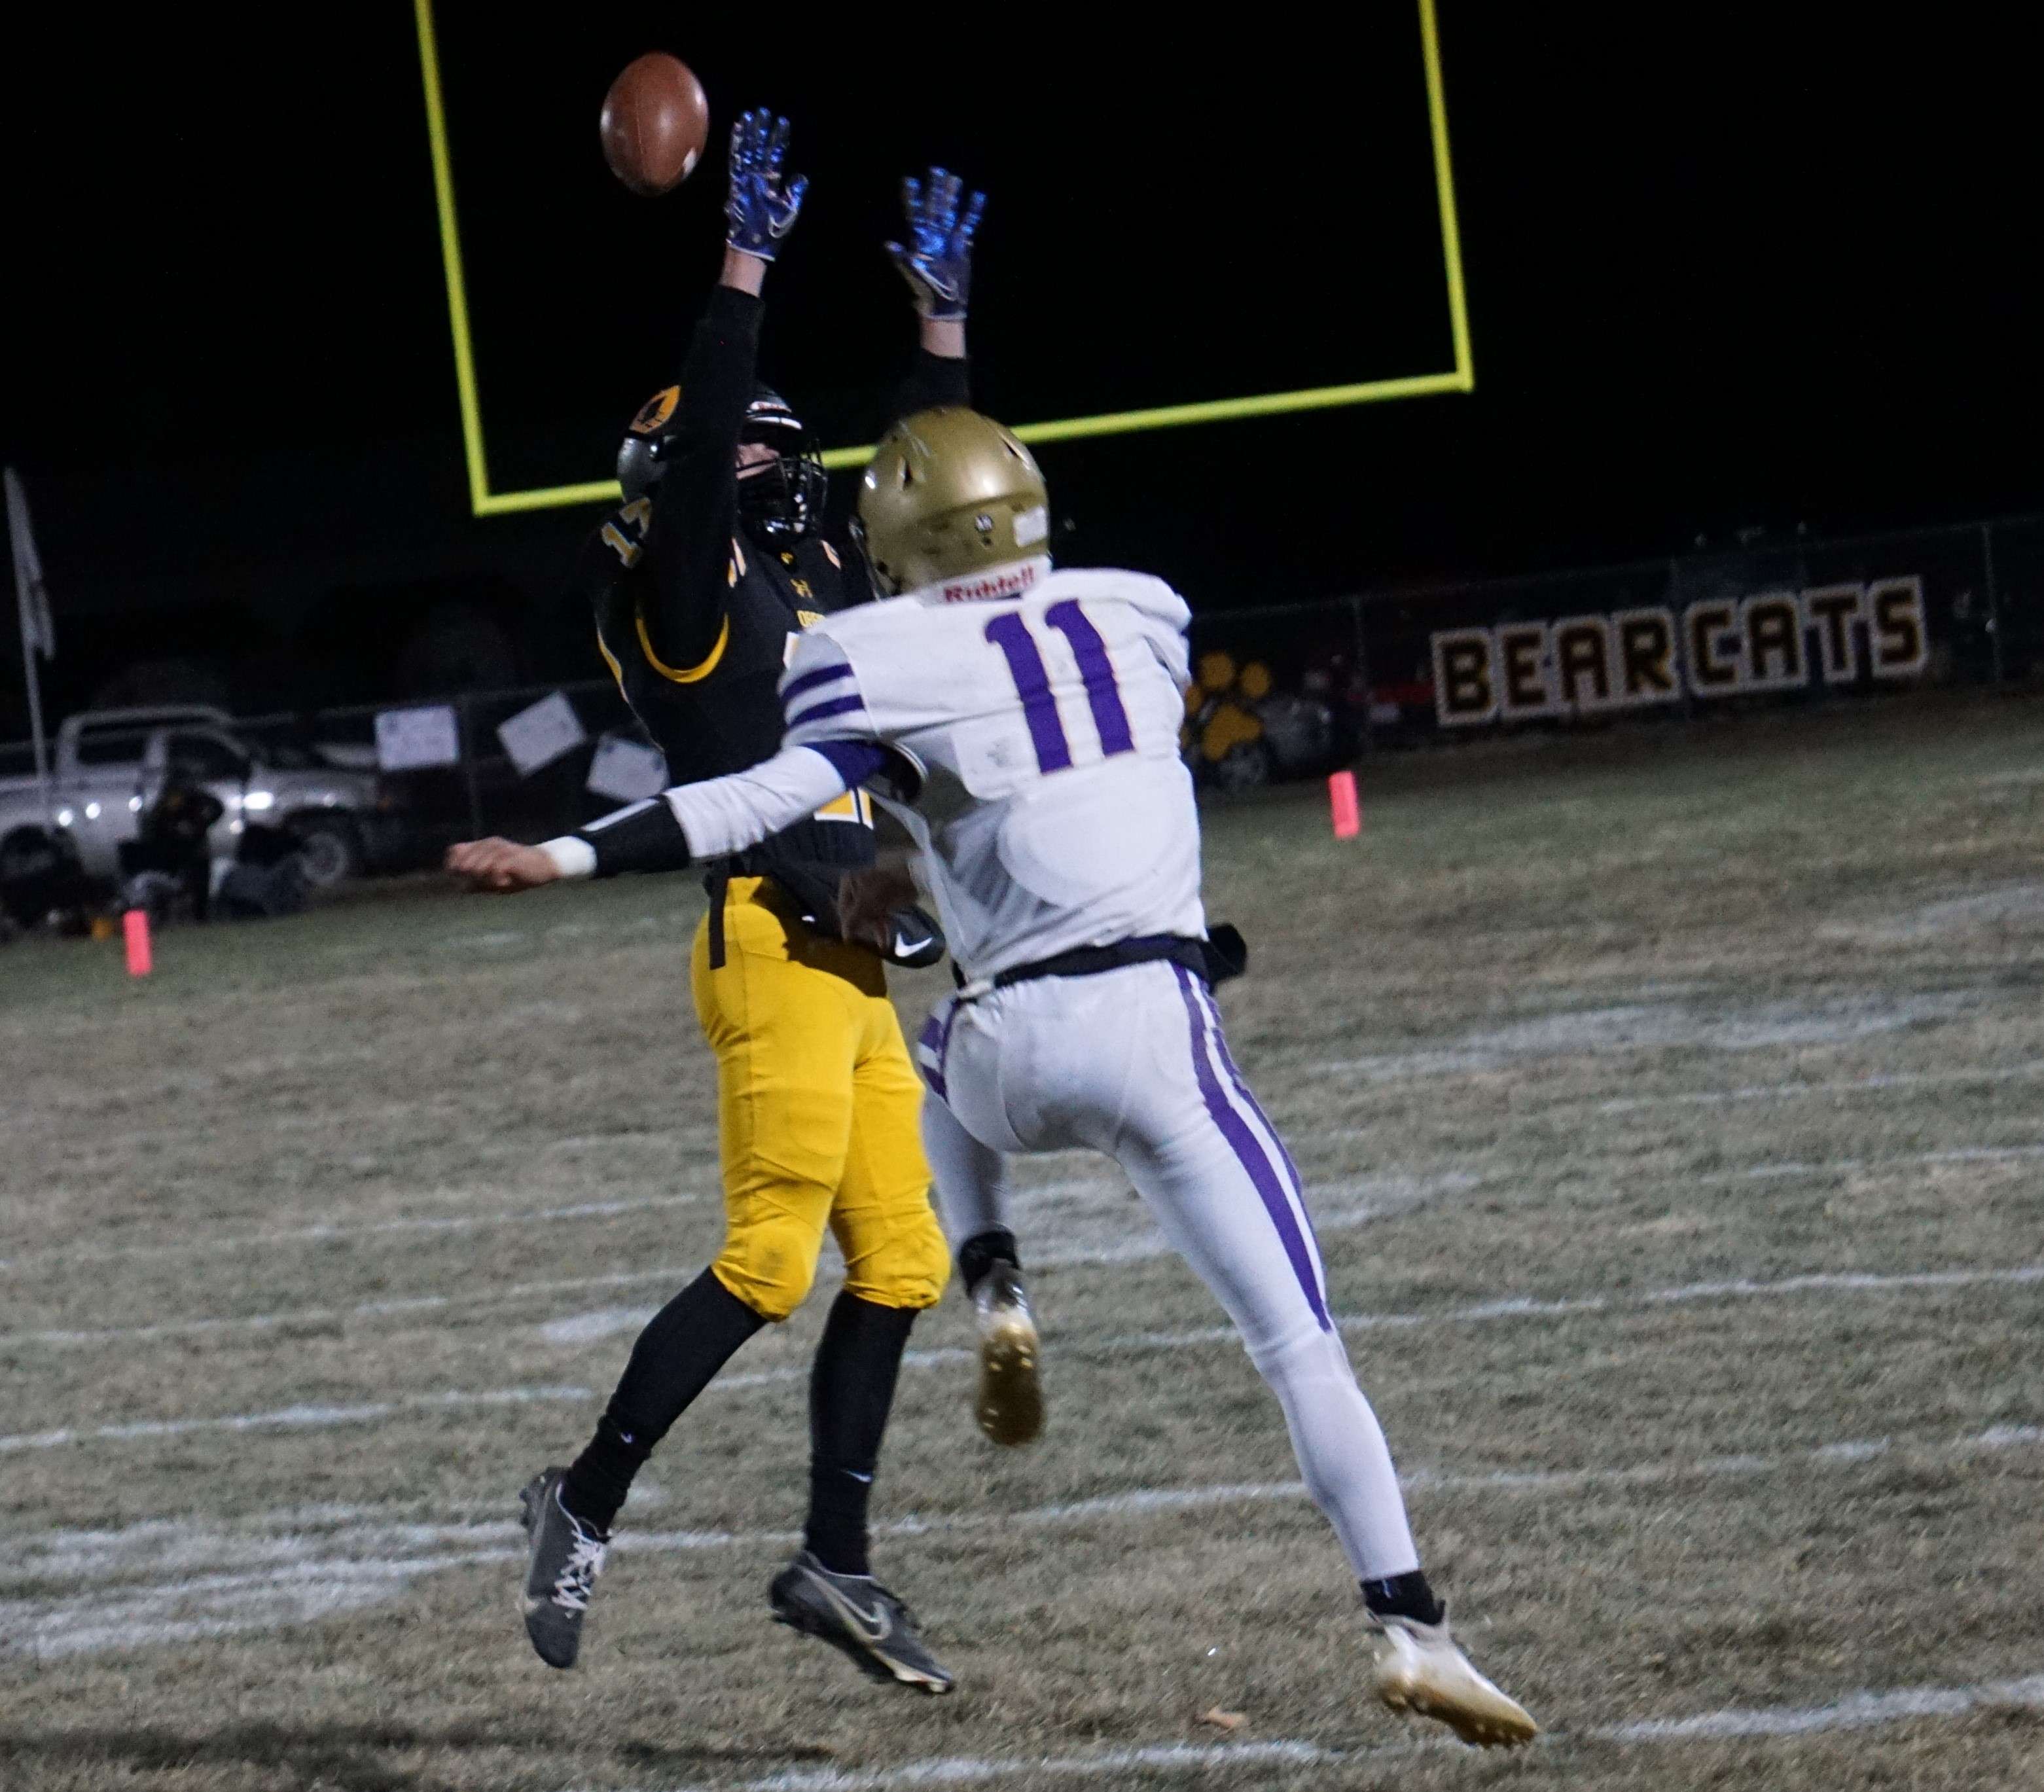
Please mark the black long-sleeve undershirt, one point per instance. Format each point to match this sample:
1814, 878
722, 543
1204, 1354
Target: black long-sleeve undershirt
695, 505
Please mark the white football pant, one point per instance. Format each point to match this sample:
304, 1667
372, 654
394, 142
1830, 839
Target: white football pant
1131, 1062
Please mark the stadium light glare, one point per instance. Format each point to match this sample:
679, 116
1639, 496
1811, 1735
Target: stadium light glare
488, 503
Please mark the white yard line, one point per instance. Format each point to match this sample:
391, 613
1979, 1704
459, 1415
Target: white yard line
1874, 1084
1629, 1028
1855, 1710
978, 1770
205, 1245
576, 1329
580, 1328
1075, 1344
1860, 1709
510, 1295
1391, 1193
259, 1581
1842, 1166
292, 1418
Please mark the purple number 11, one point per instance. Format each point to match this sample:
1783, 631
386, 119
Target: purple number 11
1032, 682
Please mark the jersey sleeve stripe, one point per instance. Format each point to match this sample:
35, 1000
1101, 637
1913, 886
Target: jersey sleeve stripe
887, 771
809, 681
822, 711
855, 761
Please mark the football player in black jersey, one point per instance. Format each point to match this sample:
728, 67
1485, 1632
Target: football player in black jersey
699, 581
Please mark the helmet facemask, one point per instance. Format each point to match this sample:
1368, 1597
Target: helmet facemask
780, 500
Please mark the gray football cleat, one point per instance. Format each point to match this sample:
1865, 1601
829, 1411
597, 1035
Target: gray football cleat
1010, 1404
1420, 1668
855, 1613
566, 1556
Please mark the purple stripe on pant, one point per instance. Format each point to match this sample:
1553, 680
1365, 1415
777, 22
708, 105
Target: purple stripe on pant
936, 1036
1243, 1142
1256, 1107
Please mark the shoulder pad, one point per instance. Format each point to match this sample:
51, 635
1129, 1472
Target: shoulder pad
1141, 591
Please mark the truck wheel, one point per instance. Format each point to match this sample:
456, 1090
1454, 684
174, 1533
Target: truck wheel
38, 872
329, 849
1246, 767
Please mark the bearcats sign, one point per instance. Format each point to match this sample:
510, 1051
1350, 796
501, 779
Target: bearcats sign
1721, 646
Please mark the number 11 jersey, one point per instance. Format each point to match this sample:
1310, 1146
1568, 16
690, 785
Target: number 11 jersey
1052, 807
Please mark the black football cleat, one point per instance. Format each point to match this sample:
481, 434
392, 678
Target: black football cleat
566, 1556
855, 1613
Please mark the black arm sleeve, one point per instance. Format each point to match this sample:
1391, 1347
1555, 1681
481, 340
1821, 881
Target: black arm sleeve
934, 383
695, 505
645, 837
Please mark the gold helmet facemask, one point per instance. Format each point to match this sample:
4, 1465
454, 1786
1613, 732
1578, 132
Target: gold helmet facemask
948, 497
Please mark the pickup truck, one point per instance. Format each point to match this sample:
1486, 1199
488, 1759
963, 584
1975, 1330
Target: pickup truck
109, 765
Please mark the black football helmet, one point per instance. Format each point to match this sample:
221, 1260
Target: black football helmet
780, 502
641, 455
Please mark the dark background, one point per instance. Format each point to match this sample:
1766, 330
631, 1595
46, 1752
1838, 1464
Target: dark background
1723, 275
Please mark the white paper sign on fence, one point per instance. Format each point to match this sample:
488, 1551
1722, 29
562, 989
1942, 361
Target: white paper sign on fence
417, 739
539, 735
626, 770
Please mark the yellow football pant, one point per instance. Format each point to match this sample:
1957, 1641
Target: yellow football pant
819, 1113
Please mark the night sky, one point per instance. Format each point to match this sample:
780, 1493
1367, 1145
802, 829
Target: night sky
1719, 276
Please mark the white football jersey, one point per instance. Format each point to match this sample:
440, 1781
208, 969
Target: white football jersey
1054, 811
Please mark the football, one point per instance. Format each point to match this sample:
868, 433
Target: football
655, 122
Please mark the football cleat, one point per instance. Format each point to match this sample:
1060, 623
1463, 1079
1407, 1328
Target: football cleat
855, 1613
1010, 1405
1420, 1668
566, 1556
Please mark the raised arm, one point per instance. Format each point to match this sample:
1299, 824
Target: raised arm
695, 505
936, 262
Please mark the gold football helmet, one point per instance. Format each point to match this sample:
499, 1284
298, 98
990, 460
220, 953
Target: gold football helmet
950, 494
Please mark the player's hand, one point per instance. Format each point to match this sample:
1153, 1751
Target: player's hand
936, 261
502, 867
866, 901
760, 209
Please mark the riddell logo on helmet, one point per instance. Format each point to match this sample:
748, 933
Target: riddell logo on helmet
1007, 583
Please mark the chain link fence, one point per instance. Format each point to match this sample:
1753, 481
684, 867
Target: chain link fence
1290, 691
485, 786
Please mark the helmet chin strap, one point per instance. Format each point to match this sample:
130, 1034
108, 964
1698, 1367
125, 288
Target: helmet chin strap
998, 583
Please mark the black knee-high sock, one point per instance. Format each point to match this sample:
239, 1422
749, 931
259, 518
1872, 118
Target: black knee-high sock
850, 1391
981, 1252
689, 1340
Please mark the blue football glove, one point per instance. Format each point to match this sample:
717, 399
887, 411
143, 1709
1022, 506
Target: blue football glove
936, 261
760, 210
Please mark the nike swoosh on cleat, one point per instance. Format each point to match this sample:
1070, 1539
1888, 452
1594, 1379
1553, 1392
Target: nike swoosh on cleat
873, 1628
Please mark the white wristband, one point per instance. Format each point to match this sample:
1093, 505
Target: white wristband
572, 858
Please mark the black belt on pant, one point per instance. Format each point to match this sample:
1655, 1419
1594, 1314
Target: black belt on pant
718, 884
813, 904
1198, 956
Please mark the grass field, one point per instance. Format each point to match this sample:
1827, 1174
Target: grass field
1673, 1106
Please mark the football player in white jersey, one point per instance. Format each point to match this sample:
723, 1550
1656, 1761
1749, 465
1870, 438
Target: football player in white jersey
1022, 723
